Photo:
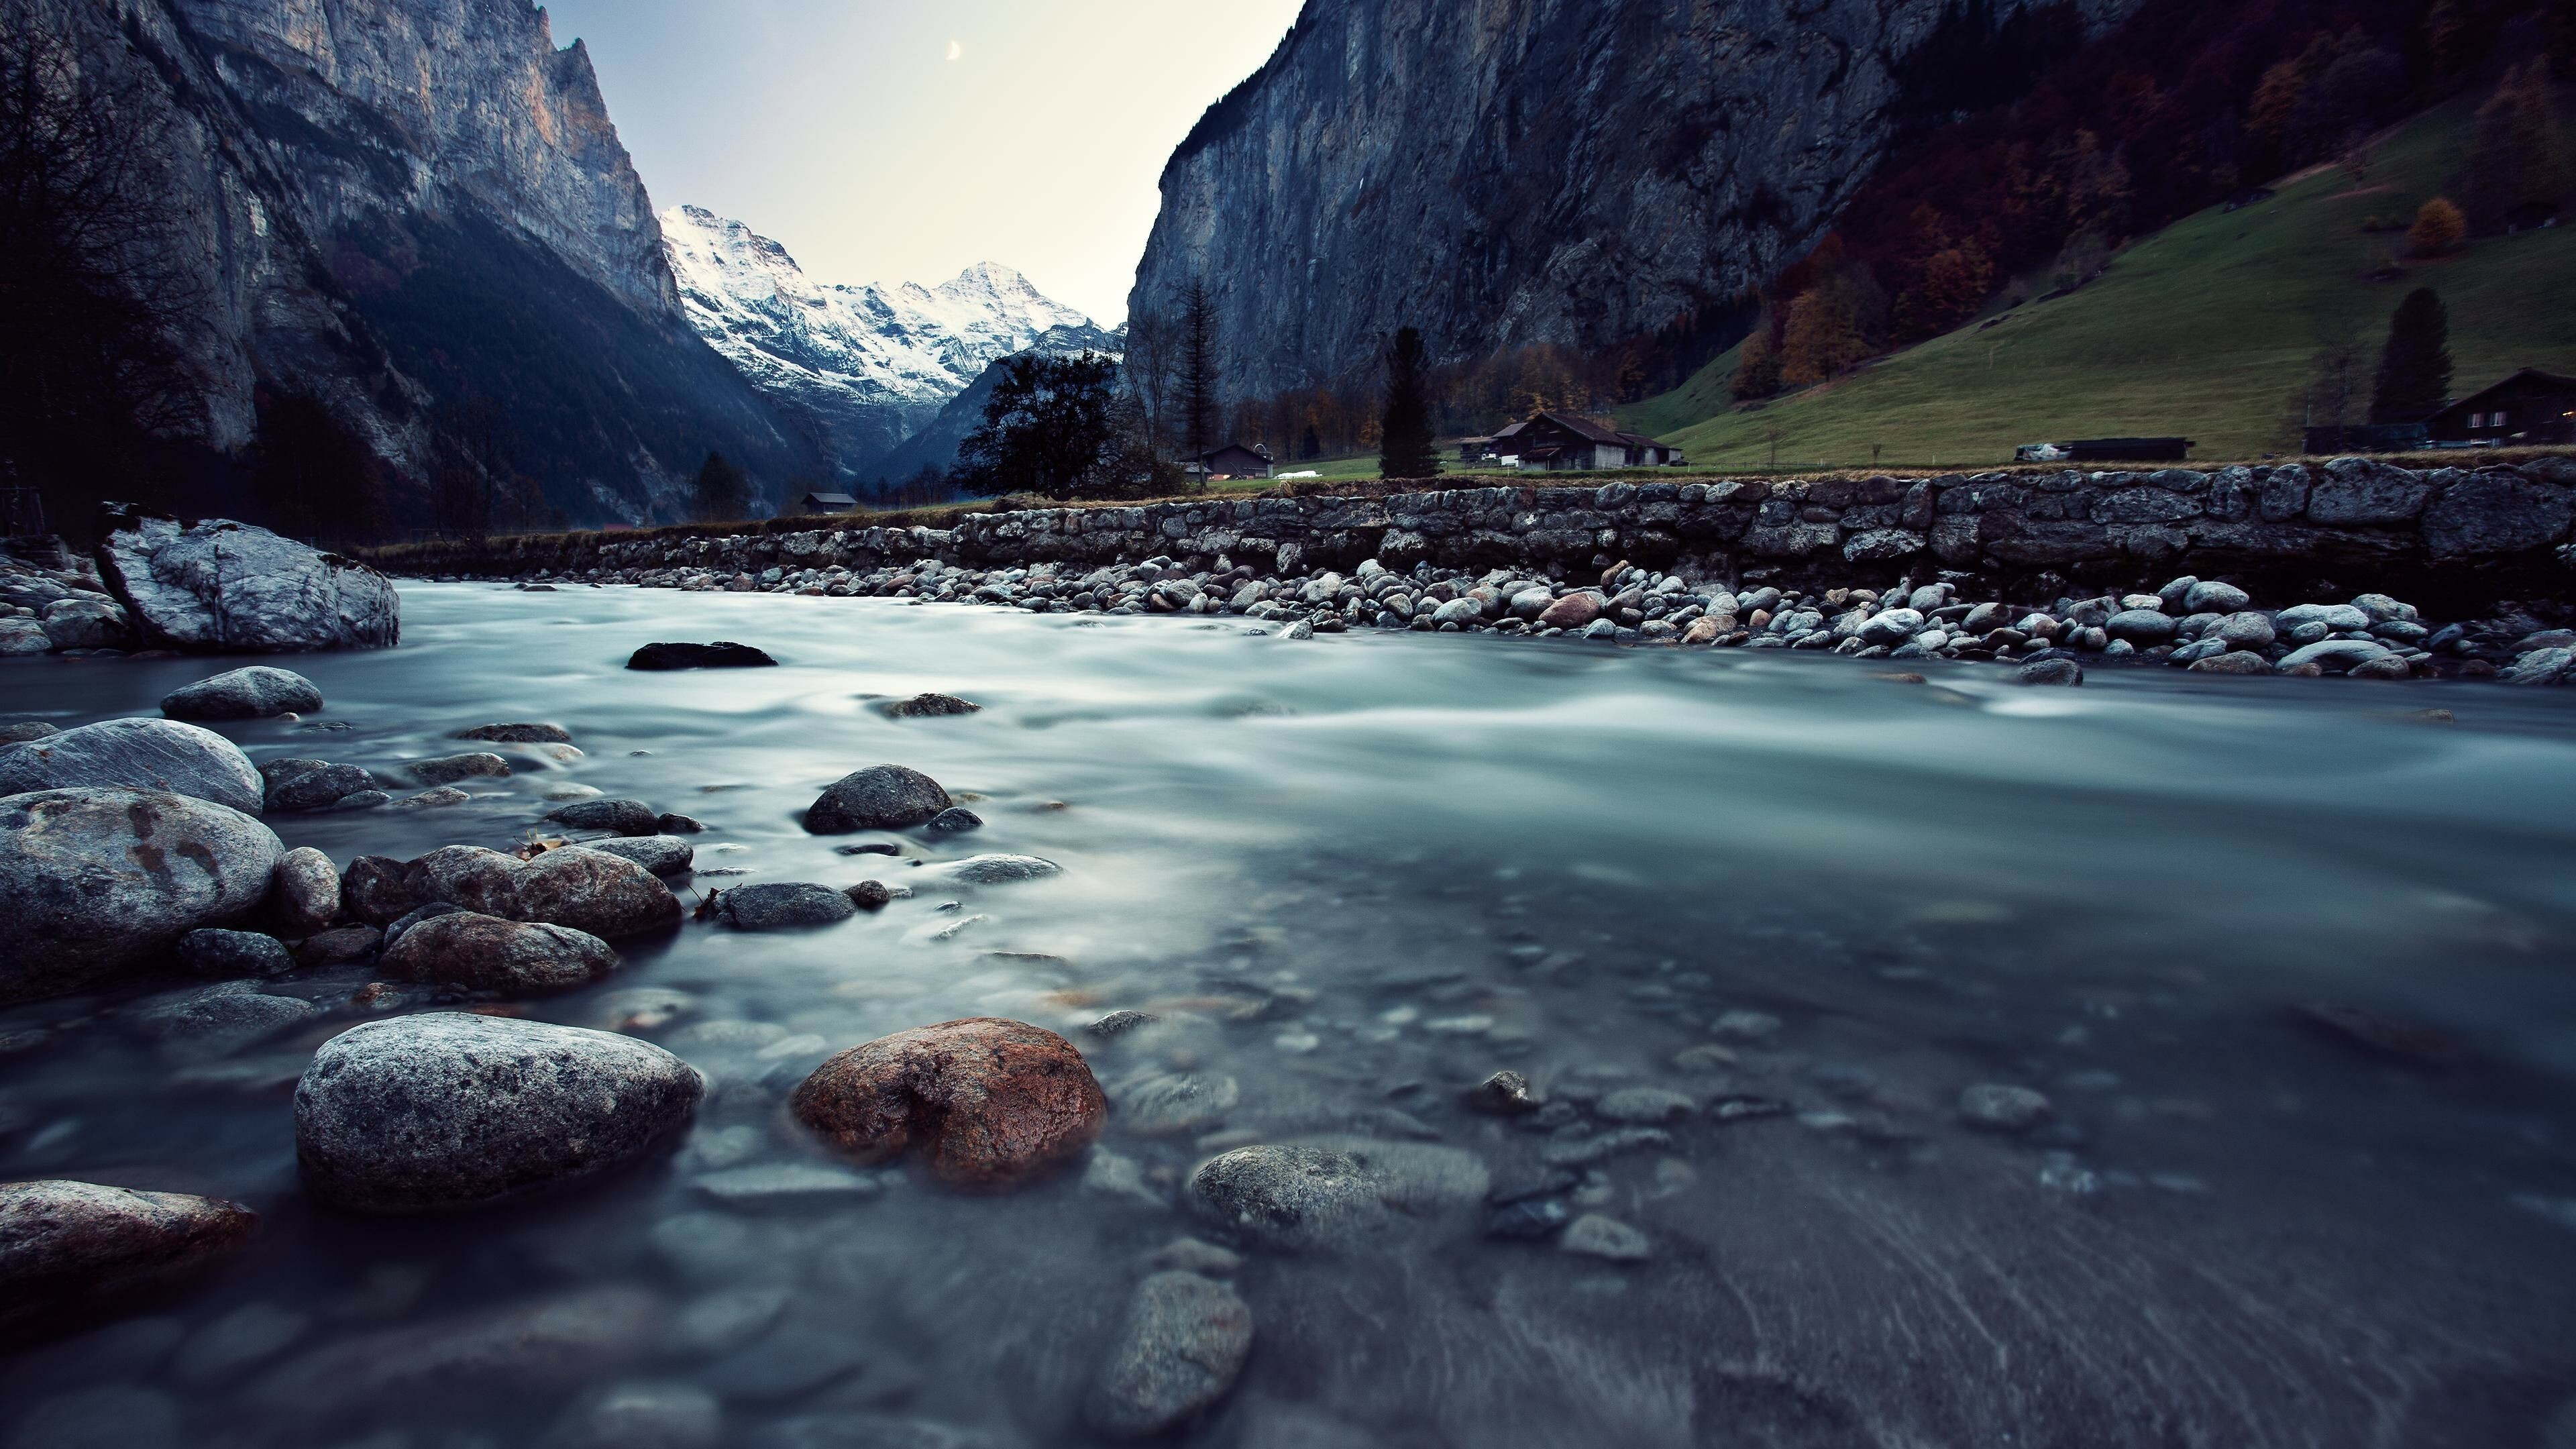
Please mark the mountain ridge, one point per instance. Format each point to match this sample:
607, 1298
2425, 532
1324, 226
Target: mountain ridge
872, 364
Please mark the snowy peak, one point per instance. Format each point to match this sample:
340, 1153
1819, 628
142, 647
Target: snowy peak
907, 346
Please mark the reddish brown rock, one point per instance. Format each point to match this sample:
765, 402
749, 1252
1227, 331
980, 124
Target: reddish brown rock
1571, 612
72, 1253
990, 1102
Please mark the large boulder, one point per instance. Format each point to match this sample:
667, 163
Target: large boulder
991, 1103
605, 895
783, 905
256, 692
451, 1109
1332, 1192
723, 654
84, 623
298, 786
880, 797
625, 817
136, 754
100, 881
74, 1252
221, 586
1183, 1342
588, 890
488, 953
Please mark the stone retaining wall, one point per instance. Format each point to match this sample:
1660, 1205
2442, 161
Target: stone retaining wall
2457, 538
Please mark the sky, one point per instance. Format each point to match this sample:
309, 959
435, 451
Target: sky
894, 140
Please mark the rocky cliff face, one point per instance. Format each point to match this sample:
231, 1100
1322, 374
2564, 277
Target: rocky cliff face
1504, 172
399, 205
872, 364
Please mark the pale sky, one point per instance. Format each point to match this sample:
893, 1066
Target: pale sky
892, 142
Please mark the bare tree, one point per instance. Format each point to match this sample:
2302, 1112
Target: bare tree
94, 297
1151, 363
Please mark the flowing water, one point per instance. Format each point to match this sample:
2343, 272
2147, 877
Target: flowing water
1355, 875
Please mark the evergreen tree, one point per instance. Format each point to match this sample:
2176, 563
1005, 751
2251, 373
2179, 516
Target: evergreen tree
1404, 427
1200, 403
721, 492
1047, 426
2415, 366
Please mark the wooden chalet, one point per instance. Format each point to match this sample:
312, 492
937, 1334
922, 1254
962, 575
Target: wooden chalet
1236, 460
1556, 442
828, 503
2527, 408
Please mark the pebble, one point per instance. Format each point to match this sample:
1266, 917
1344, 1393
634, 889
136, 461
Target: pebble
1505, 1094
1334, 1191
1996, 1107
1596, 1236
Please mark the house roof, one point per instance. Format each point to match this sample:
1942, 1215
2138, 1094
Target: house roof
1588, 430
2530, 374
1255, 449
836, 499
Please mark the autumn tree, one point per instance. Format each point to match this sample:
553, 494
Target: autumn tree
2437, 230
1823, 336
1404, 424
2415, 364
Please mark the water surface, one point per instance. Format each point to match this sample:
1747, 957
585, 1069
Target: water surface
1356, 874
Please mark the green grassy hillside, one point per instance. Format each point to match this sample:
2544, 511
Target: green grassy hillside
2204, 329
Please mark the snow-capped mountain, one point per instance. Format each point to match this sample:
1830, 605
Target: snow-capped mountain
871, 364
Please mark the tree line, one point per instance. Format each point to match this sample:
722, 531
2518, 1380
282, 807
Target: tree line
2182, 106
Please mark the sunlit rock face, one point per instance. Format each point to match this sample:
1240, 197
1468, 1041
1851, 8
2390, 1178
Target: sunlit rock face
1505, 172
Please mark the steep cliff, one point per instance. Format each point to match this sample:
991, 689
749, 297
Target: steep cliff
871, 364
1505, 172
400, 205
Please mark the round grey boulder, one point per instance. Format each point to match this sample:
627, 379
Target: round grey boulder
518, 734
660, 854
225, 955
72, 1253
2209, 596
1001, 869
487, 953
625, 817
258, 692
1183, 1343
448, 769
135, 754
2141, 627
1320, 1194
784, 905
605, 895
2050, 671
304, 891
2246, 630
880, 797
297, 787
101, 881
455, 1110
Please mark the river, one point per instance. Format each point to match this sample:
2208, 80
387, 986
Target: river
1354, 875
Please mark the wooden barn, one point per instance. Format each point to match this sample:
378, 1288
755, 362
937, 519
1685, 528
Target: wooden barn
1555, 442
1236, 460
2527, 408
827, 503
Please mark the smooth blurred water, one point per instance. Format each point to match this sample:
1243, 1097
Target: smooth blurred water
1355, 875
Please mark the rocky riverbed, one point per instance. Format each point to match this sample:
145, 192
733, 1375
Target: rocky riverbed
2211, 626
1004, 1027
